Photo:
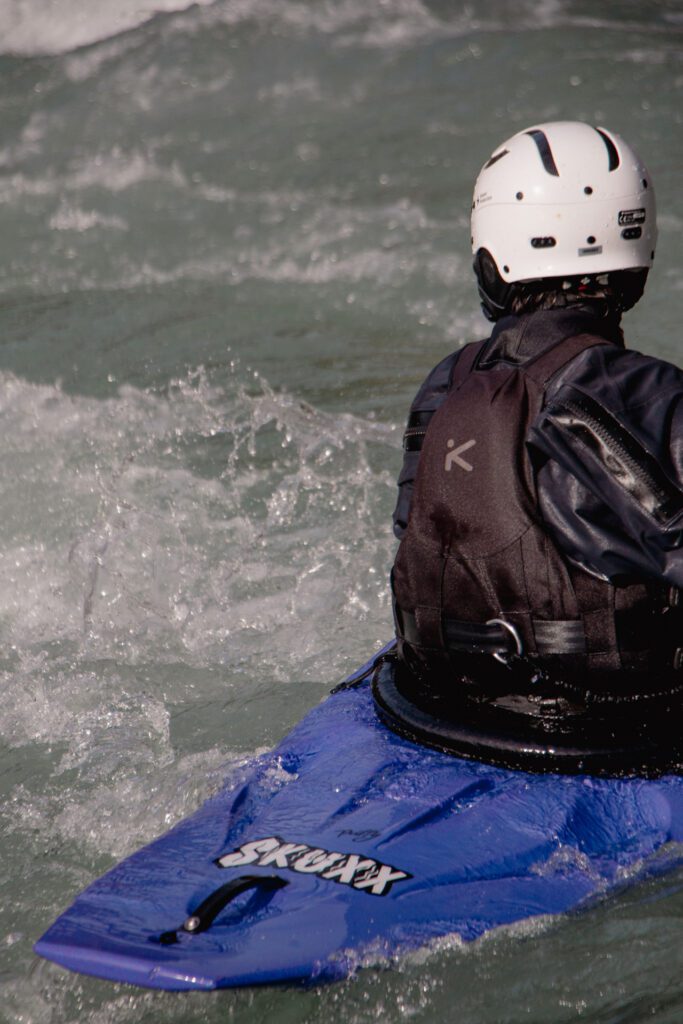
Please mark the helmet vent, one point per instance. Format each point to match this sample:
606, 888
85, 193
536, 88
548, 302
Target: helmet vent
543, 243
611, 149
544, 150
495, 158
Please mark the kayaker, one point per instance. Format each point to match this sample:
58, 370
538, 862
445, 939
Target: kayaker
540, 506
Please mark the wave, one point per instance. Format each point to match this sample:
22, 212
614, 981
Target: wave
42, 27
32, 27
201, 525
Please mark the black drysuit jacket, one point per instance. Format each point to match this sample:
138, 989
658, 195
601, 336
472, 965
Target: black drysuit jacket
610, 492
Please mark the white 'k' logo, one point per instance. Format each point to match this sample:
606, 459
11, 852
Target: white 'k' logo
454, 456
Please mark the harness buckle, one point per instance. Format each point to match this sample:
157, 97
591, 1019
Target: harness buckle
512, 630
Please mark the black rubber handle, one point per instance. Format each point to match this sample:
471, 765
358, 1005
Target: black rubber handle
209, 909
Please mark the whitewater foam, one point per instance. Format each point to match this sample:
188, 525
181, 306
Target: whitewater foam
134, 550
47, 27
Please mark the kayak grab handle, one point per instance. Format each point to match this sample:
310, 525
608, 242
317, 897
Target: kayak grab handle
209, 909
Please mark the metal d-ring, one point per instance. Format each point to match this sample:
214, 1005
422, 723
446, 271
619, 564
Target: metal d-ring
512, 630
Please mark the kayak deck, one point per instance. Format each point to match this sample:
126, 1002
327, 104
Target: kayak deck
377, 846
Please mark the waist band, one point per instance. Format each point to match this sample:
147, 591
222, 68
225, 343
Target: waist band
556, 636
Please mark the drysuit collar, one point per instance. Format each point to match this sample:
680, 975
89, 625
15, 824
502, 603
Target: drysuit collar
516, 338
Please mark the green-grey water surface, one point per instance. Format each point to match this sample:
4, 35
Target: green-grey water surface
234, 239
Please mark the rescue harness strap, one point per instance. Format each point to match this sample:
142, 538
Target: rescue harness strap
558, 636
501, 639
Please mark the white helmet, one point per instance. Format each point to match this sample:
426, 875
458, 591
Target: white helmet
562, 200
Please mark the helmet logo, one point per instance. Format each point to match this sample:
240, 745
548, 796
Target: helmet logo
628, 217
454, 456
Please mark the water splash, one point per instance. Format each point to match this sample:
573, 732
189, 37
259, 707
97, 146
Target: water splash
199, 524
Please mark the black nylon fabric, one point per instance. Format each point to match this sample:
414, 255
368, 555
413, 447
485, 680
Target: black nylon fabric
616, 523
514, 340
475, 547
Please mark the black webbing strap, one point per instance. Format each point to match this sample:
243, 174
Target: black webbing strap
546, 364
559, 636
464, 364
556, 636
419, 419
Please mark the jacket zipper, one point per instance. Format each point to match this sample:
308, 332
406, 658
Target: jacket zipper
666, 500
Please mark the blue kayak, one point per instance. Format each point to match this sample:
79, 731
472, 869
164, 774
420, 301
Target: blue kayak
349, 844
